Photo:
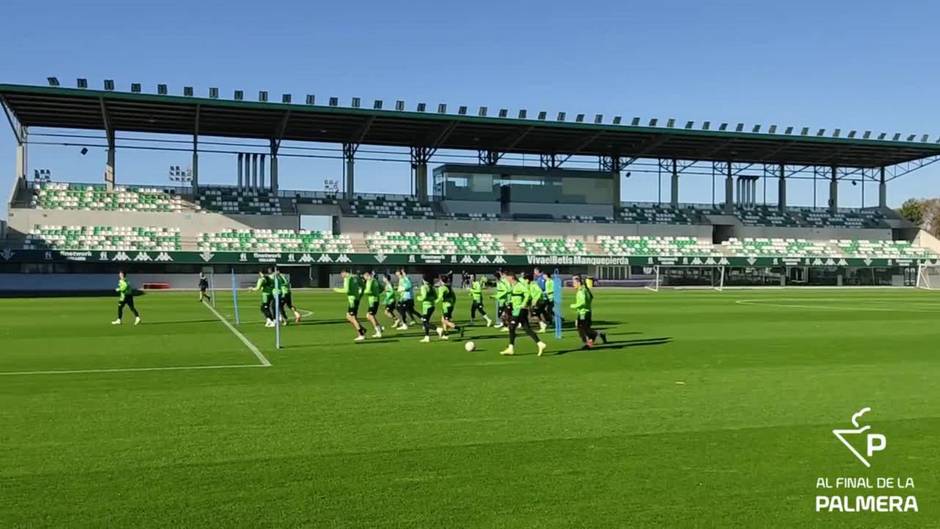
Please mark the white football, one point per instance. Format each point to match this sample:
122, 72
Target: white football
469, 346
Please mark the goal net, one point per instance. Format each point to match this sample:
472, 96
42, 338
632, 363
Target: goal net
928, 276
690, 277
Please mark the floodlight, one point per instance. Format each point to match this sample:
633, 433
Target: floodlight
804, 131
422, 107
897, 136
579, 118
482, 112
882, 135
334, 101
109, 84
503, 112
239, 95
161, 89
772, 129
836, 133
53, 81
653, 122
866, 135
739, 128
911, 137
188, 91
635, 122
852, 133
286, 98
311, 99
441, 108
377, 104
135, 88
670, 122
462, 110
523, 113
689, 124
542, 115
400, 105
923, 138
81, 82
723, 127
788, 131
707, 125
213, 92
560, 117
356, 102
263, 96
617, 120
598, 119
820, 132
755, 128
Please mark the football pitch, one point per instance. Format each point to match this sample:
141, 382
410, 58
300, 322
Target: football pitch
707, 409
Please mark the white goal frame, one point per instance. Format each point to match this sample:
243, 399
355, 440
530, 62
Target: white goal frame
928, 276
657, 281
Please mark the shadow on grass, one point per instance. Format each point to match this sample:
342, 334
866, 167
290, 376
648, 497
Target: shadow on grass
623, 344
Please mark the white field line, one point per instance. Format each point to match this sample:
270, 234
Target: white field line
261, 358
251, 347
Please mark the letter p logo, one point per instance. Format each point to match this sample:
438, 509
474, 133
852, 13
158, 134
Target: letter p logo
876, 443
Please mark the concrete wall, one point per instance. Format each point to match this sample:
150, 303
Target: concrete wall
356, 227
823, 234
927, 240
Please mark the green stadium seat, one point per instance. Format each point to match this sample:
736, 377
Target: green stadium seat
103, 238
433, 243
274, 241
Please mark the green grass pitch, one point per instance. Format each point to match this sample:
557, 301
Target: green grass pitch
707, 409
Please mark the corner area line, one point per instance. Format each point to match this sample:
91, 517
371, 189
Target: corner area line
251, 347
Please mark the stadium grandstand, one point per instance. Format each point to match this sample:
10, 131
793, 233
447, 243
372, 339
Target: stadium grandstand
460, 216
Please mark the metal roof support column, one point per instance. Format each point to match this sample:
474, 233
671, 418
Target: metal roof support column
674, 199
274, 148
109, 169
254, 172
349, 154
241, 168
261, 178
195, 169
834, 190
419, 163
21, 156
782, 189
729, 191
882, 190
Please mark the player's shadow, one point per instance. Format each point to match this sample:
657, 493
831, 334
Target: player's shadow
180, 322
622, 344
305, 323
521, 336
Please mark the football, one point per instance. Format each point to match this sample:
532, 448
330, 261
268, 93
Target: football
469, 346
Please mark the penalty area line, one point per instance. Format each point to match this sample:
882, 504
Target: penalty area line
251, 347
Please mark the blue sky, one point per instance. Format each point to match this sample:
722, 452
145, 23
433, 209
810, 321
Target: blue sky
860, 64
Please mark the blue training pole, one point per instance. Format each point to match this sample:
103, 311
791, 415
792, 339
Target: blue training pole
277, 311
557, 295
235, 297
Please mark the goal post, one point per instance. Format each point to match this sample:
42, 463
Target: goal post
928, 276
687, 277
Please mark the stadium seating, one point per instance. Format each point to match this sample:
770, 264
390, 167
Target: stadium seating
641, 213
882, 249
653, 246
102, 238
433, 243
774, 247
232, 200
390, 206
61, 195
771, 216
246, 240
551, 246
